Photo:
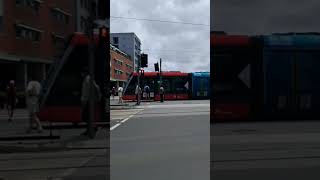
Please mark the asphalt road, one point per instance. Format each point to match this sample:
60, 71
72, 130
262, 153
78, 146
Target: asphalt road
266, 150
163, 141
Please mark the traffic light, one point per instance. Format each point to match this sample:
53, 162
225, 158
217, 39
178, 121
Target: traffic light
156, 67
144, 60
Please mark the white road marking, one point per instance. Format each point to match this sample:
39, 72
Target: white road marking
115, 126
123, 121
71, 171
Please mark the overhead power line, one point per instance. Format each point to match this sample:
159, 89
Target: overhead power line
156, 20
174, 50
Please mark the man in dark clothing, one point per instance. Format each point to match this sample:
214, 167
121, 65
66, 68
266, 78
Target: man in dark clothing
11, 99
85, 97
161, 93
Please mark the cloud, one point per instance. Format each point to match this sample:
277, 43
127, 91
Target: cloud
182, 47
265, 17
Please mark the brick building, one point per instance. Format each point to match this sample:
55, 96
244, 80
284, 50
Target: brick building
32, 34
121, 66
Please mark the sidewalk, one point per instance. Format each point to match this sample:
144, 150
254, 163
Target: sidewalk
69, 138
114, 104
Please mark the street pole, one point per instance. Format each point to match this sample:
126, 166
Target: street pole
91, 72
139, 98
160, 72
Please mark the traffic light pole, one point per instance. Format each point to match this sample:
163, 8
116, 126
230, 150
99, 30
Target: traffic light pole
91, 72
160, 72
139, 94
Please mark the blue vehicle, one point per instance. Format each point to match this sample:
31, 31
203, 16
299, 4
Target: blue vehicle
291, 75
200, 85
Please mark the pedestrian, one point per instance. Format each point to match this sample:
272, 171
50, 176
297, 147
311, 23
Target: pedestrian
33, 91
2, 96
120, 94
85, 97
161, 93
11, 99
147, 91
137, 93
113, 92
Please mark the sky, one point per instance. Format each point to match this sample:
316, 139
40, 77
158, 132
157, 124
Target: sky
182, 47
265, 16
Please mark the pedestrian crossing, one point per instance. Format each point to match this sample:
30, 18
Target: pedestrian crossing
122, 114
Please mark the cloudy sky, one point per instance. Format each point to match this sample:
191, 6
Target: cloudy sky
265, 16
182, 47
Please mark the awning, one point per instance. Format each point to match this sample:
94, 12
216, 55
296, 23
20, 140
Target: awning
28, 27
7, 57
57, 35
17, 58
62, 11
39, 1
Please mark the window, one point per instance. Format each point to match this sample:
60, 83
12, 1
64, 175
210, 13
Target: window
60, 16
1, 23
116, 40
82, 23
118, 62
19, 2
86, 4
29, 3
118, 72
28, 34
81, 4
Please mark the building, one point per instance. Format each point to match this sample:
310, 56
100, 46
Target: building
128, 43
82, 14
121, 67
32, 34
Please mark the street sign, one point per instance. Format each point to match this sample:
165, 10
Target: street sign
244, 76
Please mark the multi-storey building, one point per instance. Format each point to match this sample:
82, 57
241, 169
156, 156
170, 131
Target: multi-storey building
32, 33
129, 43
121, 67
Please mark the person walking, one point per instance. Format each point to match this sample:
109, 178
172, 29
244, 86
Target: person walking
161, 93
11, 99
113, 92
120, 94
2, 96
138, 92
85, 96
147, 91
33, 92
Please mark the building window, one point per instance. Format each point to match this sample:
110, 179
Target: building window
34, 4
83, 23
28, 34
86, 4
118, 62
81, 4
118, 72
115, 40
1, 23
20, 2
60, 16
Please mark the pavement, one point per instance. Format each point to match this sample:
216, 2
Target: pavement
68, 157
159, 141
266, 150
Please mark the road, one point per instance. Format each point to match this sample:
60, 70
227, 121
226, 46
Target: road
266, 150
162, 141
